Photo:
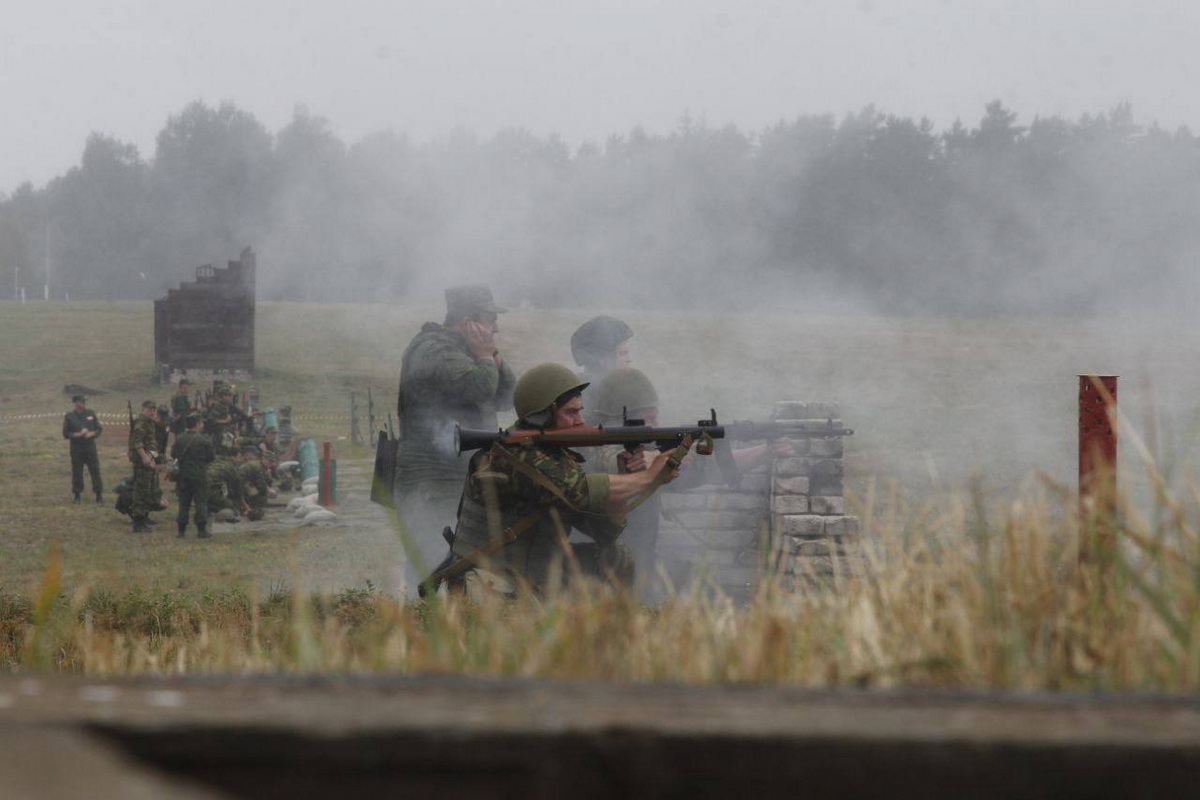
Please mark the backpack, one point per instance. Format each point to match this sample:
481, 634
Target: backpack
124, 493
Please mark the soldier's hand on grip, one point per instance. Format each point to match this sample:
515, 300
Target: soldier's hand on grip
662, 469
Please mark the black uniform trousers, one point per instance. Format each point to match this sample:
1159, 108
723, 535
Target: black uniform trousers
192, 490
85, 457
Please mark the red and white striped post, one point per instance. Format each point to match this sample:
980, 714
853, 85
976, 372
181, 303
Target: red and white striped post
1097, 459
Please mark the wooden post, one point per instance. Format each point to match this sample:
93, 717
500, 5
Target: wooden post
325, 486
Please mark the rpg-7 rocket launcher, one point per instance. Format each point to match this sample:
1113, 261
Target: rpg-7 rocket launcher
634, 432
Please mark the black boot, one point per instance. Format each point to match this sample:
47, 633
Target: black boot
99, 498
139, 525
76, 497
182, 531
202, 533
151, 523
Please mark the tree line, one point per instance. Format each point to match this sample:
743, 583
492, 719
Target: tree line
884, 212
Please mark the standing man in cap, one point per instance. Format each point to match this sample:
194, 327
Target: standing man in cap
193, 451
450, 373
81, 427
181, 406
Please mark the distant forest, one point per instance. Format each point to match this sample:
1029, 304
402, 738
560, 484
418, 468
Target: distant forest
875, 211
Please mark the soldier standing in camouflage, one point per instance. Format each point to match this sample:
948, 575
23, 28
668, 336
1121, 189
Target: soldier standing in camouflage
81, 427
143, 440
193, 452
543, 491
450, 373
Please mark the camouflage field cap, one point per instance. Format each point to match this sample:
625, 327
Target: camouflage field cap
470, 300
598, 338
270, 429
150, 404
192, 420
624, 390
184, 382
78, 398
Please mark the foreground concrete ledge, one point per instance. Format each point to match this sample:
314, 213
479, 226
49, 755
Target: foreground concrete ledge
328, 737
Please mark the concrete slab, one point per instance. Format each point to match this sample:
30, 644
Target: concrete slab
481, 738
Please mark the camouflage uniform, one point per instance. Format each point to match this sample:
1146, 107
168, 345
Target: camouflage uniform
255, 483
441, 384
146, 494
580, 503
194, 452
224, 485
216, 429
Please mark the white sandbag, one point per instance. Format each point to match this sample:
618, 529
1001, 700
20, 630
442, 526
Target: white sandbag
308, 489
313, 481
322, 516
284, 466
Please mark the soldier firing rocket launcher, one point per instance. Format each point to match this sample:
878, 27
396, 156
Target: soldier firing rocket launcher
634, 433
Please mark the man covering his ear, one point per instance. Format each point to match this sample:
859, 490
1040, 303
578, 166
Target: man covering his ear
450, 373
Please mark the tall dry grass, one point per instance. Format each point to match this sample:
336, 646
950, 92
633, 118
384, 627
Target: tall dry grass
943, 595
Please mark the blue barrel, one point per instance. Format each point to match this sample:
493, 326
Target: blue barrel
270, 420
310, 463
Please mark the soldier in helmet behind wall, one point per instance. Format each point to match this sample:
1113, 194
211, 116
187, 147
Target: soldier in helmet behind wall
542, 491
450, 373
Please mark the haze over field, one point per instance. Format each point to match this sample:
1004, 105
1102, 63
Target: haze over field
929, 157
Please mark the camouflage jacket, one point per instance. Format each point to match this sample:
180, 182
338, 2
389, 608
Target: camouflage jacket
181, 405
223, 477
145, 436
441, 384
194, 452
255, 482
580, 501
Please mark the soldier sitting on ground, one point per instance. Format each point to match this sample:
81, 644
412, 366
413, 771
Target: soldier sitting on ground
256, 483
226, 502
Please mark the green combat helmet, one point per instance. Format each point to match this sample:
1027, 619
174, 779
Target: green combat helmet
538, 389
623, 391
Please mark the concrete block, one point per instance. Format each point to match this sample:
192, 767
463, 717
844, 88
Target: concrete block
795, 485
757, 482
789, 504
788, 467
683, 501
843, 527
738, 501
738, 520
802, 526
821, 504
829, 485
826, 447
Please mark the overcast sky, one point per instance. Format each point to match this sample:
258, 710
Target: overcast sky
580, 68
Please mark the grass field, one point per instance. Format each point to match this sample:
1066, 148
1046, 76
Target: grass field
967, 589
